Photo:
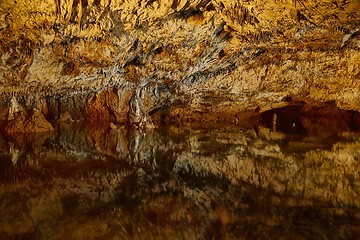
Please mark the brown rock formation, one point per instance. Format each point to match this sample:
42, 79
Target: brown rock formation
209, 57
204, 62
66, 118
110, 105
20, 121
34, 121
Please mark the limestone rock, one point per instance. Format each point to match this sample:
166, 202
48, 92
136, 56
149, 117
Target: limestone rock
138, 116
215, 56
15, 110
66, 117
33, 122
110, 105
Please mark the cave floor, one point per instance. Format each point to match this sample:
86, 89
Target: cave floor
244, 181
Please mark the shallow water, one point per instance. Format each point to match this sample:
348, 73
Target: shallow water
222, 182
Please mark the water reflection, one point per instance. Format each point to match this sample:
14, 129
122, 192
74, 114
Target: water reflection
231, 182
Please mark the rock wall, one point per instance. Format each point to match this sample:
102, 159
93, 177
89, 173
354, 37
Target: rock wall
192, 59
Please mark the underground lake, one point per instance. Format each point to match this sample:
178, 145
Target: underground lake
215, 181
179, 119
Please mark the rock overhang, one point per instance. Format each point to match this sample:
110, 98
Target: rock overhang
189, 59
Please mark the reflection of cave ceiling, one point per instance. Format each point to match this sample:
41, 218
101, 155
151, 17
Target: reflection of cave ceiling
207, 56
201, 61
66, 186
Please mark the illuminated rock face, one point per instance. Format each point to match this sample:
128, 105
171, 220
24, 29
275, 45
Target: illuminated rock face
148, 62
193, 60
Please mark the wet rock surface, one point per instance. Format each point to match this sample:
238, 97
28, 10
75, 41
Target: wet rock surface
18, 120
195, 58
147, 100
239, 181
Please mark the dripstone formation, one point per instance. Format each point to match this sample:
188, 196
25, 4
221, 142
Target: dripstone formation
154, 62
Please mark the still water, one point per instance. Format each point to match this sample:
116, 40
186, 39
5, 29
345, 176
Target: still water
221, 182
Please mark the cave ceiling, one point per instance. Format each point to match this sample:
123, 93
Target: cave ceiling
207, 56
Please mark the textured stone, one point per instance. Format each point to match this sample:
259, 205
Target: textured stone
201, 62
213, 56
66, 117
32, 122
110, 105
